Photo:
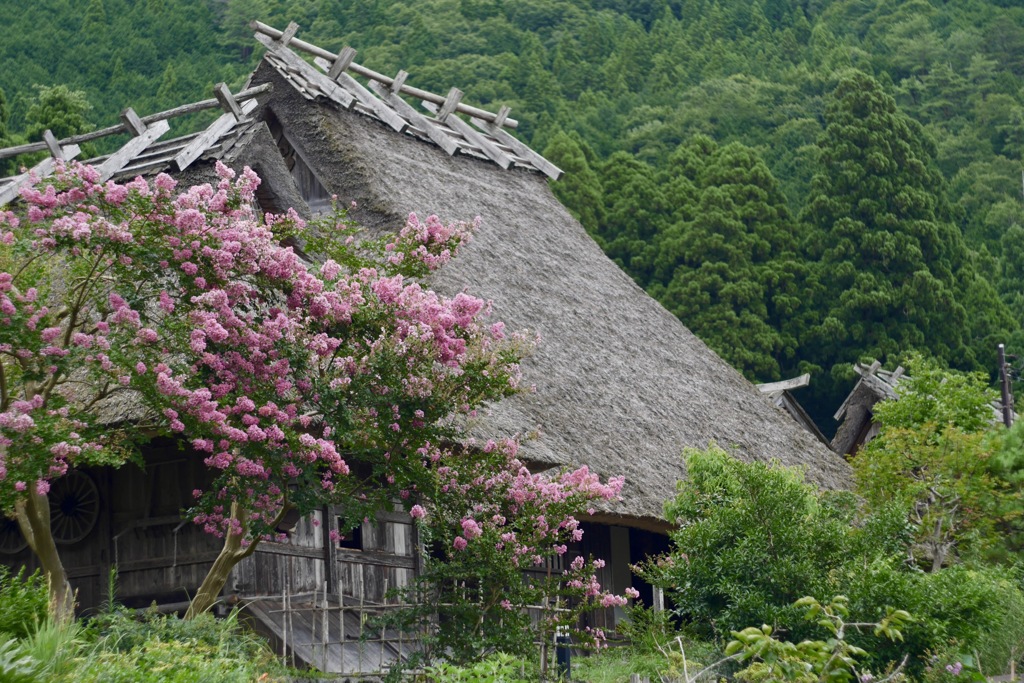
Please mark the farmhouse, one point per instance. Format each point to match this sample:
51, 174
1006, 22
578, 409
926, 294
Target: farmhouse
621, 384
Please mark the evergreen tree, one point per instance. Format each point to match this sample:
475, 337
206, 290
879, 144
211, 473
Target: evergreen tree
635, 211
728, 272
892, 263
580, 188
59, 109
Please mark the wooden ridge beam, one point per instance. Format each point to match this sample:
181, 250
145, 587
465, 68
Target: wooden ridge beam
381, 110
436, 135
490, 150
211, 135
334, 91
212, 103
44, 168
119, 159
520, 148
372, 75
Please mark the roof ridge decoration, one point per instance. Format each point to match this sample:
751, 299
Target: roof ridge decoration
382, 99
142, 153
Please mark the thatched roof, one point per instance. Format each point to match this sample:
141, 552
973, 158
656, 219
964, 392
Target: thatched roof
621, 384
857, 411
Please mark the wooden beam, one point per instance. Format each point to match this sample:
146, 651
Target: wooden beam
119, 159
52, 144
520, 148
372, 75
192, 108
375, 558
210, 136
289, 33
500, 117
227, 101
397, 83
785, 385
383, 112
272, 548
342, 63
132, 123
334, 91
450, 102
438, 136
10, 191
486, 146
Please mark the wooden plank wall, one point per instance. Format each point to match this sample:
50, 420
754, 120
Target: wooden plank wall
305, 563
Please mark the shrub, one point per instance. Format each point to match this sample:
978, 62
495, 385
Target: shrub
752, 538
170, 650
23, 602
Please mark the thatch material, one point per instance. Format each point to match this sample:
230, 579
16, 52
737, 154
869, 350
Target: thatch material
621, 384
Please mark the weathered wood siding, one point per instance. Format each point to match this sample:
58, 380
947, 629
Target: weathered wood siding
309, 560
139, 532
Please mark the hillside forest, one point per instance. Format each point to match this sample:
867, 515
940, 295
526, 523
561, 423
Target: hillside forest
804, 183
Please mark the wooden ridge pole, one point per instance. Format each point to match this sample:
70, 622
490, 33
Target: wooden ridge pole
388, 81
212, 103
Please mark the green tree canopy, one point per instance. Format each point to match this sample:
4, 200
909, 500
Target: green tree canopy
892, 262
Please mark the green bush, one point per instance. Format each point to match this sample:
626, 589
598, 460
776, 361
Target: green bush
753, 538
169, 650
23, 602
496, 668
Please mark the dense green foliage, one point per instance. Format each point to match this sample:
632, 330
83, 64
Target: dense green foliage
118, 647
939, 458
857, 192
754, 538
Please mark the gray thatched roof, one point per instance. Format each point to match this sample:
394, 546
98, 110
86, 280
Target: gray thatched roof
621, 384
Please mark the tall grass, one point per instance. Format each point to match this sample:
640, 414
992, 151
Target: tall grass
117, 646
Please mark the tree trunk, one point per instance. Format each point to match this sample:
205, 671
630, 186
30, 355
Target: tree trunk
231, 554
33, 514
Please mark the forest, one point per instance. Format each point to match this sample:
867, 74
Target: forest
804, 183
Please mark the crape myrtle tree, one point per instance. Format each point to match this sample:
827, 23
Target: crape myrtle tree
300, 385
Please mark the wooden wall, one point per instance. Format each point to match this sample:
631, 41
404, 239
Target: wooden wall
309, 560
140, 532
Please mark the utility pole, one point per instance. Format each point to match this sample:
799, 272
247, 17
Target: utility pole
1004, 383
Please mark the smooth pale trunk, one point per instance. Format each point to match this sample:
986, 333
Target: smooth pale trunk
33, 514
231, 554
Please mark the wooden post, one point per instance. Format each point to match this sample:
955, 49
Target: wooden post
342, 63
52, 144
450, 102
288, 33
227, 101
398, 82
1004, 384
132, 123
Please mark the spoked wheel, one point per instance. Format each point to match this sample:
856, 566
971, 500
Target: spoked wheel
74, 507
11, 540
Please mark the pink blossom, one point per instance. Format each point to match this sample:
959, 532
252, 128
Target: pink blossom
417, 512
459, 543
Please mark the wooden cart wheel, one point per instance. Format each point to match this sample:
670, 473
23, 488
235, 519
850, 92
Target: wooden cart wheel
11, 540
74, 507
